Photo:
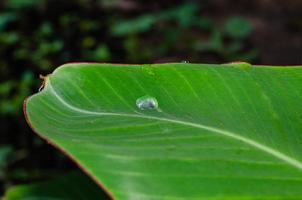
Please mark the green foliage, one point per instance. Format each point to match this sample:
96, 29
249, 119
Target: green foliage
184, 17
12, 94
59, 37
5, 152
238, 28
21, 4
8, 156
102, 52
74, 185
139, 25
35, 37
178, 131
6, 18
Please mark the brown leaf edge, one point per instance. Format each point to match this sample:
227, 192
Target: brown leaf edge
60, 149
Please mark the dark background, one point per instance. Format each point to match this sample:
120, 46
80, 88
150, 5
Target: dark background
36, 36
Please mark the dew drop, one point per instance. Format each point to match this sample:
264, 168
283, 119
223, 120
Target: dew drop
147, 103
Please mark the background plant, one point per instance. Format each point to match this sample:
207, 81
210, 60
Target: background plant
36, 36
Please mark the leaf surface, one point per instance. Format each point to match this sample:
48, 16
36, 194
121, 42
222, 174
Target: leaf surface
178, 131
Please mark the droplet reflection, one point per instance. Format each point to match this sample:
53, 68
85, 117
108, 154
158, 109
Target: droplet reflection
147, 103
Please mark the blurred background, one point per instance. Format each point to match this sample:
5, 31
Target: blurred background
36, 36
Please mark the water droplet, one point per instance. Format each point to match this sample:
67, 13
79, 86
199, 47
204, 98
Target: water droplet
147, 103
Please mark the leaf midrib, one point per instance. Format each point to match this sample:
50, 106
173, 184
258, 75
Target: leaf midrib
277, 154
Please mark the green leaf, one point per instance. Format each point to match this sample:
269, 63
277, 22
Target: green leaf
215, 43
74, 185
238, 28
5, 19
21, 4
178, 131
185, 14
137, 25
5, 152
